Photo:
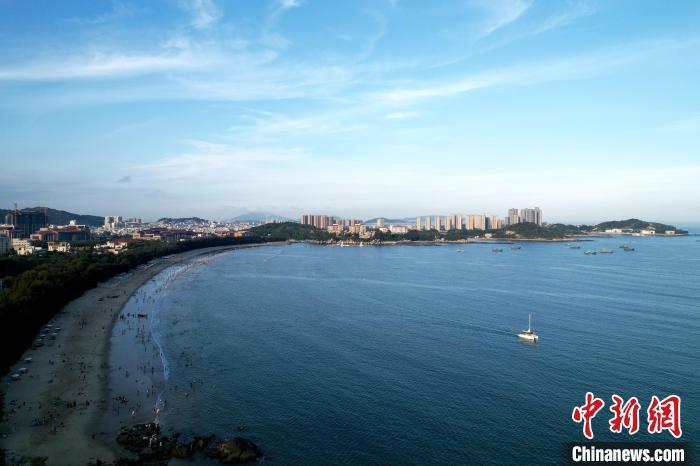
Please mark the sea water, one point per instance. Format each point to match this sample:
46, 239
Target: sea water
409, 354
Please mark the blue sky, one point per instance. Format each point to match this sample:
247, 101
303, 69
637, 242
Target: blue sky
588, 109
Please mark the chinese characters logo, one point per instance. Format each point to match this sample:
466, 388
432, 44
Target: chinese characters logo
662, 415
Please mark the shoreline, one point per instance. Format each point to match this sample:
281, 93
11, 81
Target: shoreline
58, 405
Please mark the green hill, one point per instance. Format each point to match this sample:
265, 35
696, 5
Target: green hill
635, 224
533, 231
289, 230
61, 217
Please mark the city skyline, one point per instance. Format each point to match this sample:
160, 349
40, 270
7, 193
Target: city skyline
365, 109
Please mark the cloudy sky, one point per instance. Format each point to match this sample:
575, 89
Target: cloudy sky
588, 109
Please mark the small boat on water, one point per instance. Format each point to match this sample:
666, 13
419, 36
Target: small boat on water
515, 248
28, 360
14, 377
628, 249
496, 249
528, 334
460, 250
624, 246
606, 251
574, 247
590, 253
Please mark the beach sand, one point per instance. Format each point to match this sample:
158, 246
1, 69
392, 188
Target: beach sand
69, 387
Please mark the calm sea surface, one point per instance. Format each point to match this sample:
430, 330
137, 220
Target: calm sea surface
408, 355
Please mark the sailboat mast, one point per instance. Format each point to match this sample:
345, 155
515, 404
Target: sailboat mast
529, 318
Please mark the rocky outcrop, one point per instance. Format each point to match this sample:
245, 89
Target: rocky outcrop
154, 449
235, 451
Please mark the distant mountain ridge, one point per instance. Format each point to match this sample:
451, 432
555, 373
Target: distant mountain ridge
62, 217
182, 220
390, 221
259, 217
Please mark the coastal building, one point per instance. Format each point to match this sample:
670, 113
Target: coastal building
513, 217
113, 222
27, 221
19, 243
164, 234
59, 246
7, 228
24, 247
380, 223
398, 229
115, 246
319, 221
427, 222
438, 225
530, 215
336, 228
358, 229
418, 223
479, 222
62, 233
495, 223
457, 221
5, 244
469, 222
448, 222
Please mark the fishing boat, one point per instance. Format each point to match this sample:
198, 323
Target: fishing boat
460, 250
628, 249
590, 253
528, 334
606, 251
496, 249
515, 248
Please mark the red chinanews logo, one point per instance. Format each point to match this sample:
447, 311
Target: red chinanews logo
661, 415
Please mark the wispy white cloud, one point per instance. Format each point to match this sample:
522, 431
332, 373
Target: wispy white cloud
266, 176
565, 68
500, 13
119, 10
572, 11
268, 36
205, 13
401, 115
99, 65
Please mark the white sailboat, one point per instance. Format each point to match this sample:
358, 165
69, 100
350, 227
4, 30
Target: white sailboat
528, 334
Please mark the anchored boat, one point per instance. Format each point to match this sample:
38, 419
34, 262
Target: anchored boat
528, 334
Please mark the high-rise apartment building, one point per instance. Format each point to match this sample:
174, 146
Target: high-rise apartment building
513, 217
468, 222
457, 218
448, 222
479, 222
437, 223
427, 223
27, 221
418, 223
531, 215
318, 221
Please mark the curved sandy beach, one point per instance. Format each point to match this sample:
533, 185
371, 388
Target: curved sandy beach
65, 386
